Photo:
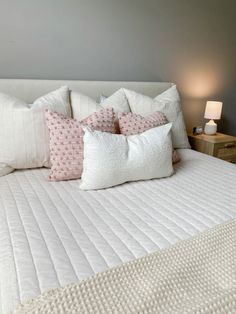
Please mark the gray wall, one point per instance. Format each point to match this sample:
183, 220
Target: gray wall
190, 42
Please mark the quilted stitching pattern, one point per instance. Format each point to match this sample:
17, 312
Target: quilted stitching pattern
131, 124
53, 234
155, 283
66, 141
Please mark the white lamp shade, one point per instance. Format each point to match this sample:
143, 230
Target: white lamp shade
213, 110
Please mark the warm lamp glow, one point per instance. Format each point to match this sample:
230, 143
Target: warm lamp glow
198, 79
213, 110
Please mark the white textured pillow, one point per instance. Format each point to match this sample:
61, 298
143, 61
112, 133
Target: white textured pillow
168, 103
24, 138
83, 106
111, 159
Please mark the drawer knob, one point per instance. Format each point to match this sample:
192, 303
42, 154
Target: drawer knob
228, 145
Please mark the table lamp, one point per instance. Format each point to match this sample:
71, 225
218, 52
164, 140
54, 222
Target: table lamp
213, 112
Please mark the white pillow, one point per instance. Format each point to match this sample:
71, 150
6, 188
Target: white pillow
112, 159
83, 106
24, 138
168, 103
102, 98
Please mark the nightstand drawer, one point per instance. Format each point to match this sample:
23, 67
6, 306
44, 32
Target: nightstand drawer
226, 148
231, 159
227, 151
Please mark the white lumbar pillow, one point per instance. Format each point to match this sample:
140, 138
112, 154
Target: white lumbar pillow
168, 103
83, 106
112, 159
24, 138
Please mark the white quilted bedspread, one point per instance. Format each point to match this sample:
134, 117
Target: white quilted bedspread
52, 234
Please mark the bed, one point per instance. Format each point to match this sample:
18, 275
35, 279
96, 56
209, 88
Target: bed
53, 234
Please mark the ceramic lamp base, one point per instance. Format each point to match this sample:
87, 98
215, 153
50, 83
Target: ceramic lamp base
210, 128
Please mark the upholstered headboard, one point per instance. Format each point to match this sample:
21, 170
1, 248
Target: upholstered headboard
29, 90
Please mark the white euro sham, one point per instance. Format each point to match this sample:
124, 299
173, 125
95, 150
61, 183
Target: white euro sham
83, 106
24, 138
168, 103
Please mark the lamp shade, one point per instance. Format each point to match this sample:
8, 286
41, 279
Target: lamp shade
213, 110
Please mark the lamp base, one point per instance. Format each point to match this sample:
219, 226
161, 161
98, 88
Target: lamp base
210, 128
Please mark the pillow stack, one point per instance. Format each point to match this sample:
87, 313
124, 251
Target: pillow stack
132, 123
83, 106
169, 104
66, 141
43, 134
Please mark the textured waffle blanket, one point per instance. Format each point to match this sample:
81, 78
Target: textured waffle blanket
194, 276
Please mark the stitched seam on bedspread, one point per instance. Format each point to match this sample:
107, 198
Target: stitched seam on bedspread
218, 191
192, 209
117, 221
185, 219
43, 235
163, 190
13, 254
123, 215
91, 223
53, 187
18, 212
113, 231
68, 208
153, 218
146, 213
193, 205
39, 230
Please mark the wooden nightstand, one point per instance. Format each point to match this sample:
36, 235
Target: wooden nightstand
220, 145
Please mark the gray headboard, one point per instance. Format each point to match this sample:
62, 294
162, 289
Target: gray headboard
29, 90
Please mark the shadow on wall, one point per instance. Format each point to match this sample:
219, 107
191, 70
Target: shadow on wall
193, 112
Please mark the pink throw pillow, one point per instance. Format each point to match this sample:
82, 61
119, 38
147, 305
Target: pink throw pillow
131, 124
66, 141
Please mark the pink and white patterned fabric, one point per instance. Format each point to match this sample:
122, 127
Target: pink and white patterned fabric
66, 141
131, 124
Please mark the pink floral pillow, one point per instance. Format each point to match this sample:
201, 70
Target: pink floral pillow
131, 124
66, 141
